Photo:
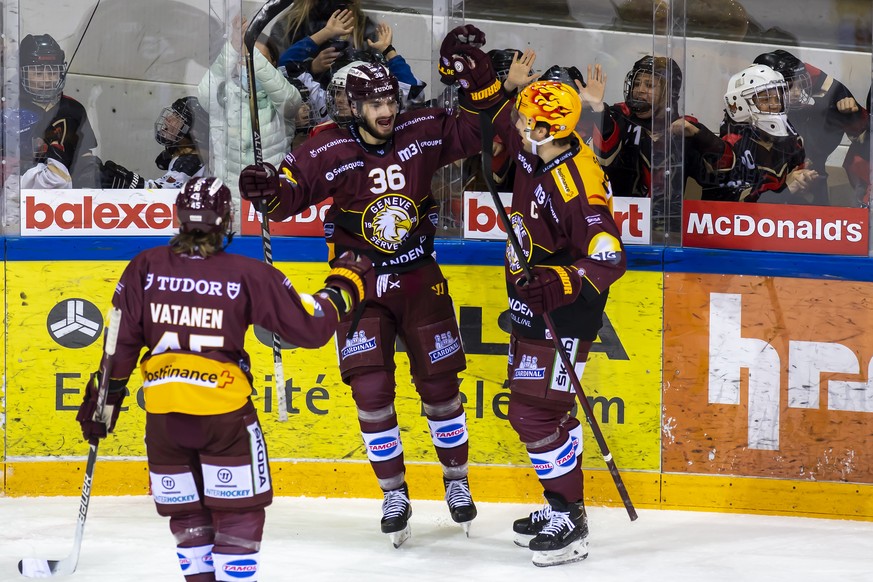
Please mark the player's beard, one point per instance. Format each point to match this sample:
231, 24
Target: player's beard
378, 131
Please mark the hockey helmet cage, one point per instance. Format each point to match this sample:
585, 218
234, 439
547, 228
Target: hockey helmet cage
176, 121
43, 67
501, 60
556, 104
663, 69
338, 107
205, 205
794, 71
750, 88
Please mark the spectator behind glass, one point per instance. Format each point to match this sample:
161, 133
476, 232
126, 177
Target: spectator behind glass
821, 109
306, 17
225, 89
183, 130
768, 155
857, 163
57, 149
625, 132
322, 59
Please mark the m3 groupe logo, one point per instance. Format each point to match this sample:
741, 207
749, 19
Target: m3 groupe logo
74, 323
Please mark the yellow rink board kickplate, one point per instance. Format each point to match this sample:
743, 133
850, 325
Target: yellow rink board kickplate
648, 490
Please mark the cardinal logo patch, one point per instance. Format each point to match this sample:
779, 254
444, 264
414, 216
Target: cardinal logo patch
388, 220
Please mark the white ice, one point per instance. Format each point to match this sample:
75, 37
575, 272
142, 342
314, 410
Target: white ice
339, 539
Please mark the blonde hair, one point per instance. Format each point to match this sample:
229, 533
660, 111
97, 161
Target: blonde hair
299, 14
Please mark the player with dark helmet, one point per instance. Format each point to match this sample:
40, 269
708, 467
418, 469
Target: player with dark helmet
379, 172
202, 432
629, 138
182, 128
795, 74
58, 150
43, 67
656, 75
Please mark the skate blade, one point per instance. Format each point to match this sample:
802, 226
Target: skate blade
575, 552
465, 525
522, 540
398, 537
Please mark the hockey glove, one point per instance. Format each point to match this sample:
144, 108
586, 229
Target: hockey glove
351, 280
117, 177
94, 427
259, 183
456, 41
550, 288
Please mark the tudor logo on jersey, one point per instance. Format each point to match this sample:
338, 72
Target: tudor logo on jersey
523, 236
388, 220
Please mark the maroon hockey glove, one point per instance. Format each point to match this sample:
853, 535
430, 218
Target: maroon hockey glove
113, 176
95, 428
352, 280
259, 183
456, 42
551, 288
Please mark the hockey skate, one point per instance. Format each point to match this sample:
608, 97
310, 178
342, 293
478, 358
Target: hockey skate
460, 502
564, 539
527, 527
396, 511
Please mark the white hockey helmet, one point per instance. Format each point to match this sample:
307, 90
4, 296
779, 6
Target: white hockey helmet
338, 107
759, 95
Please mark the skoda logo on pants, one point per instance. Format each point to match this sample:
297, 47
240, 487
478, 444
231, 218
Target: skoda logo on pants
75, 323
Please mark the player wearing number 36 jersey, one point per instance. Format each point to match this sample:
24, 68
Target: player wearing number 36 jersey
189, 305
378, 171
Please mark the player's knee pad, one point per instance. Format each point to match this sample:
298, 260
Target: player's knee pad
236, 567
377, 420
373, 390
555, 461
438, 389
241, 482
192, 529
174, 490
383, 445
237, 532
445, 409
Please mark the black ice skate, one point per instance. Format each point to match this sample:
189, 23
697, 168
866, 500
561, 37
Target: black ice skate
460, 502
527, 527
564, 539
396, 511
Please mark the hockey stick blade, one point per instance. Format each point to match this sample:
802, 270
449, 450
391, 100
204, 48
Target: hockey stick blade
36, 568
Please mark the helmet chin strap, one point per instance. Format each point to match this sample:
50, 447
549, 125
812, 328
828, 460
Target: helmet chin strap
536, 144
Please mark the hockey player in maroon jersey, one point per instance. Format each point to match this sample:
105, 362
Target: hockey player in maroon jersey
190, 304
378, 171
562, 216
58, 150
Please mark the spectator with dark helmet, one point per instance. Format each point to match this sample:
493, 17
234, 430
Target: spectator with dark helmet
182, 128
57, 150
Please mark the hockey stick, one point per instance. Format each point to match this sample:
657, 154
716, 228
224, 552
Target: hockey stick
38, 568
81, 38
487, 139
267, 13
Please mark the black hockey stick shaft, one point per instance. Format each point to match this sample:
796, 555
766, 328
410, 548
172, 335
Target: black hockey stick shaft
39, 568
265, 15
487, 139
81, 38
